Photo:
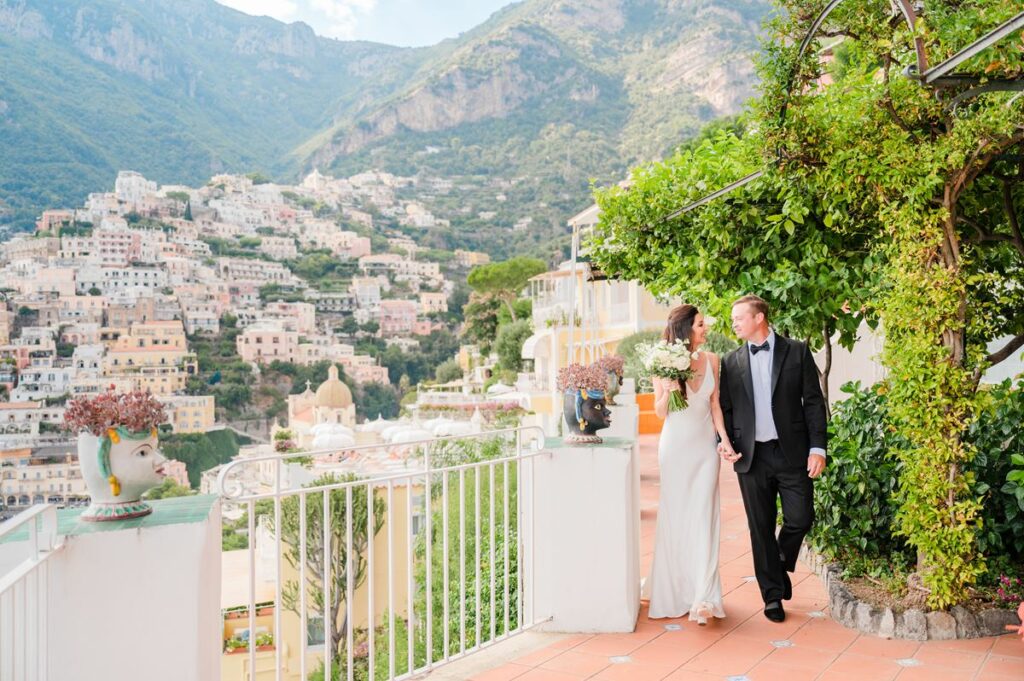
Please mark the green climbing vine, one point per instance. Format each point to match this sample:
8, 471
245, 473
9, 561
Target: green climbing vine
882, 198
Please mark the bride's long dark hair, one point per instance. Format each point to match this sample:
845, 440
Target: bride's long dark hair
680, 324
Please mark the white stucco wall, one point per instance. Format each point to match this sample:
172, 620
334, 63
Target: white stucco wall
138, 604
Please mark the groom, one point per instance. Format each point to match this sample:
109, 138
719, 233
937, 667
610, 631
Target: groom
775, 414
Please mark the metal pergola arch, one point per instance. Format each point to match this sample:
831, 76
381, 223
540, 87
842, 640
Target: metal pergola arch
939, 76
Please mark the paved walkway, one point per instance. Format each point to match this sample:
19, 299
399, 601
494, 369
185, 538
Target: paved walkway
808, 645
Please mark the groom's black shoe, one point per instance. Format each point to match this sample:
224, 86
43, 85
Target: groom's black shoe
788, 592
773, 611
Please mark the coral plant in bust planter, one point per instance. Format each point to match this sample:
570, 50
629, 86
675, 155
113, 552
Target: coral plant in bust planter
583, 405
613, 366
117, 451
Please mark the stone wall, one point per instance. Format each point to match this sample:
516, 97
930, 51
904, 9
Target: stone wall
912, 624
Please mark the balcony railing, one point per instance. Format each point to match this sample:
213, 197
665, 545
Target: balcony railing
24, 591
398, 572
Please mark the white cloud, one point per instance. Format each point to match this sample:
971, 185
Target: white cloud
332, 18
340, 17
282, 10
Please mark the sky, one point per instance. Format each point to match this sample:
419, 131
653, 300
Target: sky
408, 23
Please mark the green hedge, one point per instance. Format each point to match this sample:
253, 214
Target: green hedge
856, 498
202, 451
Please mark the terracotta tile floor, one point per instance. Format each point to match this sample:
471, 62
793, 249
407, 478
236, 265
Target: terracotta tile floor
745, 645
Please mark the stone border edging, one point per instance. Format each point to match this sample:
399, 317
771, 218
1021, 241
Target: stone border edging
913, 624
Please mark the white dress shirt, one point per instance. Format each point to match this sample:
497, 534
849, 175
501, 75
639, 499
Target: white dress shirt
761, 375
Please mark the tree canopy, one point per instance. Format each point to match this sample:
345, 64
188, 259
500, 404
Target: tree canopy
504, 280
882, 195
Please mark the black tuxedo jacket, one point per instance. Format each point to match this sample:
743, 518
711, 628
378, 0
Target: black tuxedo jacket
798, 407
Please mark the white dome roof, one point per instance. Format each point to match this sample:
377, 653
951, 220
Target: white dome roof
333, 441
499, 389
389, 432
410, 435
375, 426
330, 429
454, 428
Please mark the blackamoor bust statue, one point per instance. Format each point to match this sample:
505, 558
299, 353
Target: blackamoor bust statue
584, 406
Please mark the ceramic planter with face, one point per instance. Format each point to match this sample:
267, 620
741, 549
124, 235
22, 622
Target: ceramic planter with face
118, 468
585, 413
614, 383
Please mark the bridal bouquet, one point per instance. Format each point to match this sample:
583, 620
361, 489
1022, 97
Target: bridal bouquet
671, 361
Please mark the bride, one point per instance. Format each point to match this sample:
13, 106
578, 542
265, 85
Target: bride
684, 573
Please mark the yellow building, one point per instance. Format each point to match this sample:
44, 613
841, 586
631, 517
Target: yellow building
469, 358
46, 474
189, 413
471, 258
580, 315
433, 301
153, 356
235, 595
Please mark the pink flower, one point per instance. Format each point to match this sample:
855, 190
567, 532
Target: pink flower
138, 411
578, 377
612, 363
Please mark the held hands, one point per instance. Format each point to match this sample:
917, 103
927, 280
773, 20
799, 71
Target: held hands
727, 453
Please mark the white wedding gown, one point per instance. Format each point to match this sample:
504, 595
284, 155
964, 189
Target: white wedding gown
684, 573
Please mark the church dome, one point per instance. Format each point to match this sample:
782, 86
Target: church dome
332, 393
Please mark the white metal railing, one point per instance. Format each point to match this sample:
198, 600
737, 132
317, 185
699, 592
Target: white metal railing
453, 583
24, 594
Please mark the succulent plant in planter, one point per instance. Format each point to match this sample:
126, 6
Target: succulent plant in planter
583, 406
613, 366
117, 451
264, 640
235, 645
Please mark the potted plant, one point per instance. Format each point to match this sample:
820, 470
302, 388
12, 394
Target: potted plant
613, 366
264, 641
235, 645
117, 451
583, 402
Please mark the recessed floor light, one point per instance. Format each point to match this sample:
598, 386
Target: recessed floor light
908, 662
620, 659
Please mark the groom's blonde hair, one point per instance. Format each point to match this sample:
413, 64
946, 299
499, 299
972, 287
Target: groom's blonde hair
756, 303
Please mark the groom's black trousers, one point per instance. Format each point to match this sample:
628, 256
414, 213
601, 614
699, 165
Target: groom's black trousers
770, 477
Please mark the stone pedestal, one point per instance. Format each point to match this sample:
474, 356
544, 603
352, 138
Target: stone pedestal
132, 599
627, 393
625, 421
585, 523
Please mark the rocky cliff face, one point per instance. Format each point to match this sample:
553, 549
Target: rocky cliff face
688, 56
293, 40
558, 90
19, 21
171, 88
119, 46
490, 81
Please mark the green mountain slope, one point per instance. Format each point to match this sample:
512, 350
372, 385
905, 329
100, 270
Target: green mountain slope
524, 111
176, 90
555, 94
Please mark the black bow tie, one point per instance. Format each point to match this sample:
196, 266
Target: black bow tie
754, 349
